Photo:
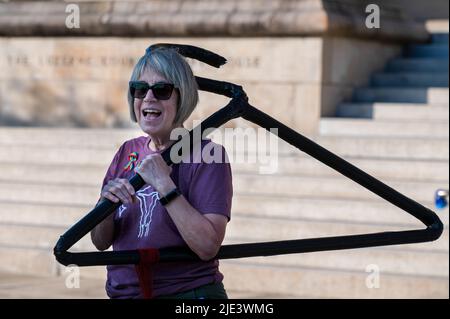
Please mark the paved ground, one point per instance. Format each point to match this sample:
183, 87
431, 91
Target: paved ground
25, 286
33, 287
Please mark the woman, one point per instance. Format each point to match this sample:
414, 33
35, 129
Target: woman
162, 95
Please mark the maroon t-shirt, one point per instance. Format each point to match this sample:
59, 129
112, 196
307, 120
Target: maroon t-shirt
146, 223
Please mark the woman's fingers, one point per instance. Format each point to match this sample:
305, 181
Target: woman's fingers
123, 196
127, 189
128, 186
110, 196
119, 189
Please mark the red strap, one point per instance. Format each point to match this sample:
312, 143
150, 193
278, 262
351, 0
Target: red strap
148, 257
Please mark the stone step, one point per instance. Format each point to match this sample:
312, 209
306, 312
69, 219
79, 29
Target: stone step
417, 65
38, 237
61, 155
410, 79
28, 261
287, 185
364, 127
388, 169
313, 187
427, 51
402, 95
380, 147
324, 283
43, 147
330, 210
319, 280
365, 147
39, 214
393, 261
38, 286
44, 238
67, 137
439, 38
55, 173
248, 229
42, 262
394, 111
242, 229
327, 210
49, 194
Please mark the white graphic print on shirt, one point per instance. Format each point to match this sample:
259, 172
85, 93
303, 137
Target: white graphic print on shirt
146, 207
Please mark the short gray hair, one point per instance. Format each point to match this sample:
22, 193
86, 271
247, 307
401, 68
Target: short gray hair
170, 64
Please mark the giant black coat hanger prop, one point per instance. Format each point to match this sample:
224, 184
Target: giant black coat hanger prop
239, 107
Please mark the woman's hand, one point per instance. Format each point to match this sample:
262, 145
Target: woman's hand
155, 172
116, 190
119, 189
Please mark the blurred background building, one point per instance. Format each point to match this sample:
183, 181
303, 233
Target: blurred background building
375, 95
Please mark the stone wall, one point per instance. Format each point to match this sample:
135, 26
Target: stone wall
83, 82
347, 64
296, 59
424, 10
207, 18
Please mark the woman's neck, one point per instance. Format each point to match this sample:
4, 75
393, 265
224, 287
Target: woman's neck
158, 143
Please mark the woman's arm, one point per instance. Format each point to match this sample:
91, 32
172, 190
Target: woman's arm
203, 234
116, 190
102, 235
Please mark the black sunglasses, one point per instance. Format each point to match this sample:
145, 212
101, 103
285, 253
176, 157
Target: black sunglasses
161, 90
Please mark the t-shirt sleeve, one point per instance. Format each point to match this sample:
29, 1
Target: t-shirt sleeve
211, 188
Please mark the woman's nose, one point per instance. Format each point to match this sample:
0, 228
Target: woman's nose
149, 97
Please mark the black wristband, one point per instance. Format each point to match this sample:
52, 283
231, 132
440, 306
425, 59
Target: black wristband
169, 197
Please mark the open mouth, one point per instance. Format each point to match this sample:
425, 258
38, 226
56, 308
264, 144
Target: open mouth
151, 114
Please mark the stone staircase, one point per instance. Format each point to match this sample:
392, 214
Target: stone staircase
396, 130
52, 178
406, 104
